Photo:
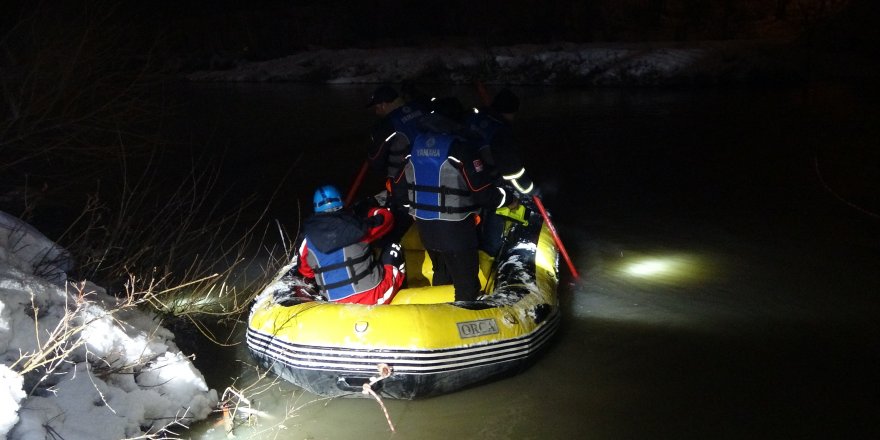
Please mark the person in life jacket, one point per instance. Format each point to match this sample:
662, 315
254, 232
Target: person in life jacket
393, 133
444, 183
336, 252
391, 137
495, 124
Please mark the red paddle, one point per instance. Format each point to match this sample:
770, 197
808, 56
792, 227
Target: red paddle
357, 182
556, 238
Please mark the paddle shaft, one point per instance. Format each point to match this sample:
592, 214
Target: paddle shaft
357, 182
556, 238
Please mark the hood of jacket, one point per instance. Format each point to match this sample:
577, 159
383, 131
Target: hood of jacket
334, 230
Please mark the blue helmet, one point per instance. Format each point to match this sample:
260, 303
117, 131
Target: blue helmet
327, 199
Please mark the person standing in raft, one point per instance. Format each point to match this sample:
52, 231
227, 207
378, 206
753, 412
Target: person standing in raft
393, 133
495, 125
336, 252
444, 183
392, 136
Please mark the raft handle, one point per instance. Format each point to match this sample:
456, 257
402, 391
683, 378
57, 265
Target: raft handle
355, 384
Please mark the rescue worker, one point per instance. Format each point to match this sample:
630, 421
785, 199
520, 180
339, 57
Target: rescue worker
394, 132
444, 183
495, 124
391, 138
336, 252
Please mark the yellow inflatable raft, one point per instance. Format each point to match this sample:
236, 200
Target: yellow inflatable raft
423, 343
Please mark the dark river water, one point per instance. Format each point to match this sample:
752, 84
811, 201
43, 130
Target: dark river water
728, 242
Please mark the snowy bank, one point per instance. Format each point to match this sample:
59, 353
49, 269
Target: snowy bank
115, 372
649, 64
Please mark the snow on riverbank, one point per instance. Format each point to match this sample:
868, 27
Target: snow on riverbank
559, 64
121, 375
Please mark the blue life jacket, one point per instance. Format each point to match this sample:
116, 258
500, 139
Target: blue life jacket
343, 265
405, 118
437, 189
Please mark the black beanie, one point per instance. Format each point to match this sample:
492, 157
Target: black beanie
505, 102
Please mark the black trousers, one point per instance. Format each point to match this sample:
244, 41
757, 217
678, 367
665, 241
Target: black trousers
459, 268
452, 246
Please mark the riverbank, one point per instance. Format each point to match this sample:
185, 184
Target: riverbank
563, 64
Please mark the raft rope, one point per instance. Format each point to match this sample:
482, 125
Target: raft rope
384, 372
